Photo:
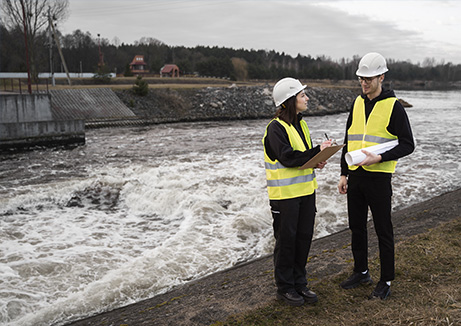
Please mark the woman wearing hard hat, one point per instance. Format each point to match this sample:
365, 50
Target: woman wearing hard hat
287, 146
376, 117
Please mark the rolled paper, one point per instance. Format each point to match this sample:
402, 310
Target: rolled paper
355, 157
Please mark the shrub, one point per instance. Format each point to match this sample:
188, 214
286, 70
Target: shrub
102, 78
141, 87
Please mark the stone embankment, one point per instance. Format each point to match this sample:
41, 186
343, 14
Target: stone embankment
226, 103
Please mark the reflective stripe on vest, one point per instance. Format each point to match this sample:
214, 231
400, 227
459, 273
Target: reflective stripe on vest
284, 182
364, 133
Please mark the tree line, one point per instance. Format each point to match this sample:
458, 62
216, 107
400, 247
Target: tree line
81, 53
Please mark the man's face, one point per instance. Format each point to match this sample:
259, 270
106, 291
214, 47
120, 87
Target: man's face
371, 86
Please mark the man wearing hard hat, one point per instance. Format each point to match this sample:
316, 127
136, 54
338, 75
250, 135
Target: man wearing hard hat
376, 117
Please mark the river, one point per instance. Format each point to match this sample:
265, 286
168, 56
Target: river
139, 210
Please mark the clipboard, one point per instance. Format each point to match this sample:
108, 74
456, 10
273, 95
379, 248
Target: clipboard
321, 157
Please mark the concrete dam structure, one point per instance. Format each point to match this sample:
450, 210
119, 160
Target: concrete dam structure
57, 118
91, 105
28, 120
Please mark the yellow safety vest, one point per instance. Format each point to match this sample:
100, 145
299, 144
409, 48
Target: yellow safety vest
364, 133
284, 182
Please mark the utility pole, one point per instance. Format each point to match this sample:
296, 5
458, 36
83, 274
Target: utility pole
29, 87
60, 53
50, 40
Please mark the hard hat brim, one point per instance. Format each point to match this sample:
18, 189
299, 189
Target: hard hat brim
360, 73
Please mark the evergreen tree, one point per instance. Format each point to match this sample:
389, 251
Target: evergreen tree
127, 72
140, 87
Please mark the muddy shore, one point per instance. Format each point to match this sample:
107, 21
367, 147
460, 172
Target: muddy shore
251, 285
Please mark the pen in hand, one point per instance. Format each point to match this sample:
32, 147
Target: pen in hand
326, 143
333, 142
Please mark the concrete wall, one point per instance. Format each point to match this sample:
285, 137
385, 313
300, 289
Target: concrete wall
27, 120
25, 108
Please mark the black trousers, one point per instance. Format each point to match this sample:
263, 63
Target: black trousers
376, 193
293, 223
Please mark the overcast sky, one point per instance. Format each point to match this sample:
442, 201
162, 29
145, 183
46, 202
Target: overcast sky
398, 29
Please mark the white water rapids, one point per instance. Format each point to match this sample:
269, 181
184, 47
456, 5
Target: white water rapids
138, 210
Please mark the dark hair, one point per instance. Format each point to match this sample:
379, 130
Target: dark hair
287, 111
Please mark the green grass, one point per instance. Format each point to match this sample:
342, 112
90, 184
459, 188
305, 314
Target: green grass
426, 290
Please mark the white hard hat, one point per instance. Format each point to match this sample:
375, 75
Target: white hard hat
371, 65
286, 88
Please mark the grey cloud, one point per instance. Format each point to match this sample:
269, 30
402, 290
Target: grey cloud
285, 26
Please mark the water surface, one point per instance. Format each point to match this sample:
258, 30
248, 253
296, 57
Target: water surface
138, 210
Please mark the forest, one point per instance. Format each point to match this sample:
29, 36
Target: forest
81, 52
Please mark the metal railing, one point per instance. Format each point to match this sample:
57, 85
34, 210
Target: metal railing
15, 85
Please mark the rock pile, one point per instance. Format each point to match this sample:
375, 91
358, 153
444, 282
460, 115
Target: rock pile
227, 103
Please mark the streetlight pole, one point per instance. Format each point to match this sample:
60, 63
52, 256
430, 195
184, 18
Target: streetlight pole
101, 62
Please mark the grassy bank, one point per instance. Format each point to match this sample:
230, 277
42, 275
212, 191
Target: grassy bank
121, 83
426, 290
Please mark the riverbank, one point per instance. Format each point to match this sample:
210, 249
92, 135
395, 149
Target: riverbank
233, 102
249, 288
227, 103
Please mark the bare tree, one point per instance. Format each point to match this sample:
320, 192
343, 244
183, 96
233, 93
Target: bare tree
36, 19
148, 41
36, 13
116, 41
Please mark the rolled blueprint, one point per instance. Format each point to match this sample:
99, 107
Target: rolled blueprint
355, 157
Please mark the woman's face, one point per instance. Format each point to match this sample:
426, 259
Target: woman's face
301, 102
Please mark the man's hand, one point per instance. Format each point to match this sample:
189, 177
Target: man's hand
342, 186
371, 158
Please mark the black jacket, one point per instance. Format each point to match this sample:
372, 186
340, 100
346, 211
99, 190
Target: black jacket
277, 145
399, 125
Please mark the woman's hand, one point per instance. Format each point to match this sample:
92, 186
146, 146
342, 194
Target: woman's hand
321, 165
325, 144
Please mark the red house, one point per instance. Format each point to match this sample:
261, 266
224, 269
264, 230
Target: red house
138, 66
169, 71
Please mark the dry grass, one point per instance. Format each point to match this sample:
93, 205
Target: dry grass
120, 83
130, 86
426, 290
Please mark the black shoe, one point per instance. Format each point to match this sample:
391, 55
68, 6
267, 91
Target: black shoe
291, 297
382, 291
308, 295
356, 279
